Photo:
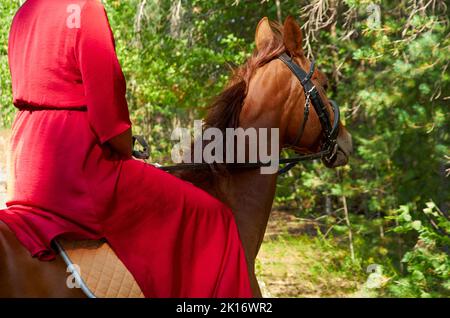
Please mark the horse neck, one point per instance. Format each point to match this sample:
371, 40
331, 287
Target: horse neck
250, 195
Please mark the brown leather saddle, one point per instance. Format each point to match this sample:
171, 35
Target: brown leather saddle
97, 270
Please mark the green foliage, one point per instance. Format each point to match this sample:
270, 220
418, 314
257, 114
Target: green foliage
394, 87
428, 261
7, 10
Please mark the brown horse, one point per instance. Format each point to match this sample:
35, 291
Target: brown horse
263, 93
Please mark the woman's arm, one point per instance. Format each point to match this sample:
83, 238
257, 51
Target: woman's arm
103, 80
122, 144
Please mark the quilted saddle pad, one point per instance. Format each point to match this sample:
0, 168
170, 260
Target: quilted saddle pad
100, 269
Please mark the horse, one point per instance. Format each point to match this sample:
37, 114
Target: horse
263, 93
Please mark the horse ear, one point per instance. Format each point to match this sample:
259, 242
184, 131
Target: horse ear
292, 37
264, 33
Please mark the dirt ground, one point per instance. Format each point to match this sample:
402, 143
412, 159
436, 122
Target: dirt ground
293, 262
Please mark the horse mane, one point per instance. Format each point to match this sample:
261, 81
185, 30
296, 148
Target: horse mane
226, 108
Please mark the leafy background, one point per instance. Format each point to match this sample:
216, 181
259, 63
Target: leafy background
389, 207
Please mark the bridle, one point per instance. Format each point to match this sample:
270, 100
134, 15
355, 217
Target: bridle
330, 130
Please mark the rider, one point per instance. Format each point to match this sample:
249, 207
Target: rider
71, 173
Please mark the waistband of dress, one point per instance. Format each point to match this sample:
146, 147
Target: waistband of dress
24, 107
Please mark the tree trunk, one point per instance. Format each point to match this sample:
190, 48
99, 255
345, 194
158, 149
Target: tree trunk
279, 13
350, 234
327, 205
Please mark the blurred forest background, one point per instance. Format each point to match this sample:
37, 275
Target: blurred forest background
376, 228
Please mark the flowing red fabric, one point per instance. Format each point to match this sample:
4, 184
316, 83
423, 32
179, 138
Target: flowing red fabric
176, 240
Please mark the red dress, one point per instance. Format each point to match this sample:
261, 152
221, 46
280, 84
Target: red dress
175, 239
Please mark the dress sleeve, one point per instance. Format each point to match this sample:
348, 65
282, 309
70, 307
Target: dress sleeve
103, 80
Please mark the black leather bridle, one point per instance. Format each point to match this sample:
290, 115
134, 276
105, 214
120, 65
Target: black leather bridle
330, 130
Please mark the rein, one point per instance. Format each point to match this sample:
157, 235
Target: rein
290, 162
330, 130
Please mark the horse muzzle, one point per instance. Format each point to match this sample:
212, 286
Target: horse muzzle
343, 151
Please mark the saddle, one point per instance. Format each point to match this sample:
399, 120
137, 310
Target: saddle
97, 270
